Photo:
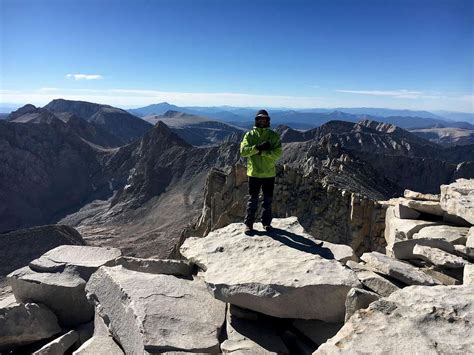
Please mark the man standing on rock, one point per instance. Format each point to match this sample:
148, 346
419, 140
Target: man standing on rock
262, 147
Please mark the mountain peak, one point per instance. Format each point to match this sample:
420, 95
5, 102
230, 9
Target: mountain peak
38, 115
82, 109
163, 134
28, 108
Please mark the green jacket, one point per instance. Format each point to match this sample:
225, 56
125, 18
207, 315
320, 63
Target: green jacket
260, 164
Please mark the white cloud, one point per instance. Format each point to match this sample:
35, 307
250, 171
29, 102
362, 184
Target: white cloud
402, 94
84, 76
49, 89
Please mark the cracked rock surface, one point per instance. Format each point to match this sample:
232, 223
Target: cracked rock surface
283, 273
417, 319
157, 313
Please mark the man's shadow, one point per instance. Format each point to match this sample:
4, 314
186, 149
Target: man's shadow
298, 242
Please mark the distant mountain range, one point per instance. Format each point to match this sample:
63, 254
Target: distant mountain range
457, 116
103, 125
126, 182
310, 118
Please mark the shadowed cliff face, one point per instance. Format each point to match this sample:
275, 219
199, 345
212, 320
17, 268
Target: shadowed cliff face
333, 165
161, 159
159, 181
46, 169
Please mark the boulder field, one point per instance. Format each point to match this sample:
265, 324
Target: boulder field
273, 292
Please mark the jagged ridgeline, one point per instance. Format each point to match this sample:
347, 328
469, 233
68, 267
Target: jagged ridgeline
94, 195
123, 181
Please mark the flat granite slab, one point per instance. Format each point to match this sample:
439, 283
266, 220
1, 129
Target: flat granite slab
282, 273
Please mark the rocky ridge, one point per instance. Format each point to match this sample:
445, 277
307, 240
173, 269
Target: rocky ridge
37, 162
158, 182
141, 196
396, 154
324, 210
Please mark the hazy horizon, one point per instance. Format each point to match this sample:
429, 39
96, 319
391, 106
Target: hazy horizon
14, 106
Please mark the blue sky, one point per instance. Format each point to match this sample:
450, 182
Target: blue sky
414, 54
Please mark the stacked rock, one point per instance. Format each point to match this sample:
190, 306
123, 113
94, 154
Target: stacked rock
434, 232
424, 282
48, 311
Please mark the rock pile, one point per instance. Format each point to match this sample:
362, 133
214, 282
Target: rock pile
429, 255
286, 284
274, 292
433, 231
50, 299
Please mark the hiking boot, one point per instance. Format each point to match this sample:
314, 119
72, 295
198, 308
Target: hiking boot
248, 229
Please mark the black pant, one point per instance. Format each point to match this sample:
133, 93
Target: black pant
267, 185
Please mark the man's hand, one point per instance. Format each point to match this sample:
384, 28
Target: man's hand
264, 146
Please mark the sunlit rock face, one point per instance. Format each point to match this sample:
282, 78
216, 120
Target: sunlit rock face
275, 273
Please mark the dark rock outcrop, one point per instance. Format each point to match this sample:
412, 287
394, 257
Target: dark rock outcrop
40, 165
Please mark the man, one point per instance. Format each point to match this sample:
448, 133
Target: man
262, 147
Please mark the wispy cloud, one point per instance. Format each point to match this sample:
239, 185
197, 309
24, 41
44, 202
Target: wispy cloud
401, 94
138, 97
468, 98
84, 76
125, 97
